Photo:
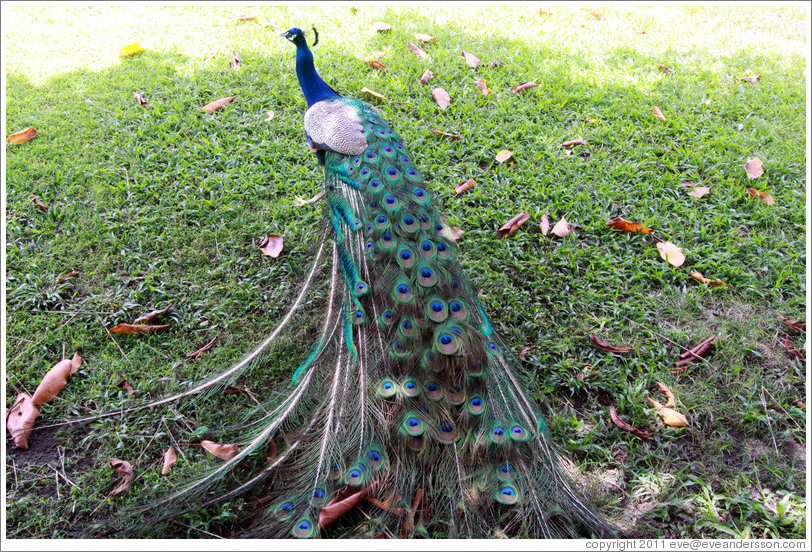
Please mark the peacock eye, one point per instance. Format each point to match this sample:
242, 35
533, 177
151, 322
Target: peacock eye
390, 200
404, 159
365, 172
387, 314
455, 306
419, 193
405, 255
381, 219
391, 171
359, 314
374, 456
517, 430
403, 288
432, 387
426, 273
441, 247
476, 402
413, 422
370, 155
304, 525
387, 386
375, 183
445, 339
408, 220
446, 428
411, 172
438, 227
387, 237
498, 431
407, 325
507, 491
436, 306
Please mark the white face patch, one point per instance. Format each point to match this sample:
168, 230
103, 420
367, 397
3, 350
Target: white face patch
335, 126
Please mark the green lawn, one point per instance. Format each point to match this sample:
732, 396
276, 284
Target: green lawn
167, 204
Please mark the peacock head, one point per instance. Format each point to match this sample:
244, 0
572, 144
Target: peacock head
297, 36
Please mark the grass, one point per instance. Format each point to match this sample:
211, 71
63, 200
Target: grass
165, 204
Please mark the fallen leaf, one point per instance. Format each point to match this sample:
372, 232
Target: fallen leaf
272, 450
441, 97
427, 76
696, 354
340, 505
754, 78
600, 344
670, 416
63, 277
124, 469
223, 452
753, 167
149, 317
170, 458
470, 59
416, 50
131, 50
523, 86
124, 384
22, 136
791, 349
503, 155
235, 60
688, 184
217, 105
272, 245
576, 142
513, 224
665, 68
140, 99
669, 396
797, 325
374, 94
700, 278
657, 113
20, 420
671, 253
596, 15
453, 233
495, 64
469, 184
381, 27
424, 38
765, 198
231, 390
700, 191
641, 32
626, 427
544, 225
251, 18
799, 403
376, 65
561, 228
269, 116
619, 223
449, 134
38, 202
55, 379
302, 202
483, 87
378, 55
523, 353
133, 329
203, 349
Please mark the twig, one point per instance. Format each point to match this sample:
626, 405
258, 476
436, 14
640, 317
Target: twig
216, 246
114, 341
769, 424
198, 529
666, 339
171, 436
56, 482
62, 462
77, 312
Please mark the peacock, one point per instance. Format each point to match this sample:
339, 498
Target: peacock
409, 404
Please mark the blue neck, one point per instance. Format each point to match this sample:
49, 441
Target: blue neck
313, 87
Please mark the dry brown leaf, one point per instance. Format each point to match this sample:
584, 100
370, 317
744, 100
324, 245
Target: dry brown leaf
38, 202
569, 143
449, 134
203, 349
149, 317
340, 505
272, 245
669, 396
765, 198
55, 379
417, 51
376, 65
657, 113
427, 76
604, 346
513, 224
424, 38
453, 233
619, 223
269, 116
223, 452
272, 450
63, 277
797, 325
523, 353
700, 278
471, 60
503, 155
374, 94
753, 78
495, 64
469, 184
483, 87
523, 86
378, 55
665, 68
799, 403
699, 191
544, 225
561, 228
791, 349
626, 427
251, 18
596, 15
753, 167
124, 469
124, 384
441, 97
671, 253
670, 416
217, 105
22, 136
140, 99
381, 27
133, 329
20, 419
235, 60
170, 458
